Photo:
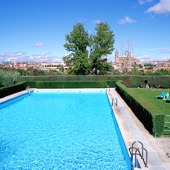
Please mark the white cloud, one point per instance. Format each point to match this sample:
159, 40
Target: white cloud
126, 20
160, 50
163, 7
144, 1
39, 44
46, 53
44, 58
8, 56
165, 51
19, 53
22, 57
98, 21
2, 54
143, 58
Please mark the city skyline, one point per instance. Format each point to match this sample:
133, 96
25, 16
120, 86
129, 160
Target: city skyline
34, 30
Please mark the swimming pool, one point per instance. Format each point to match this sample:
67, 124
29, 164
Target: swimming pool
61, 130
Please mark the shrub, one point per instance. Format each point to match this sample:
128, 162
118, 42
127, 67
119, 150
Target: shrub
71, 84
8, 90
154, 123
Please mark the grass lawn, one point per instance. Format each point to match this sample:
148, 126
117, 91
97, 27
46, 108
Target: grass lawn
147, 97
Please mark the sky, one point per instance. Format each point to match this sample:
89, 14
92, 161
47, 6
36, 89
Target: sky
35, 30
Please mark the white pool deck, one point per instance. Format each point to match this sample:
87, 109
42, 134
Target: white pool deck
132, 130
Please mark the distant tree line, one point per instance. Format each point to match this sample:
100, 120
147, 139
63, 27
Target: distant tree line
10, 76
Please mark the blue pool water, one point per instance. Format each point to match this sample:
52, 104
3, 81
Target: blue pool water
62, 131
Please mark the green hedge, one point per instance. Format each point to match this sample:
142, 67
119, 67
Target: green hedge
8, 90
153, 81
71, 84
67, 78
129, 80
153, 123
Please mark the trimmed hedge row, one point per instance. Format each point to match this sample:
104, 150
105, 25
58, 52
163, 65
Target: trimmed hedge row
129, 80
71, 84
153, 81
149, 120
66, 78
8, 90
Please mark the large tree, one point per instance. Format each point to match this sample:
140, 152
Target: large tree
101, 46
81, 61
77, 43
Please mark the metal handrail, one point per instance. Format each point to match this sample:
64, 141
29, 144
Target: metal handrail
138, 151
114, 101
28, 90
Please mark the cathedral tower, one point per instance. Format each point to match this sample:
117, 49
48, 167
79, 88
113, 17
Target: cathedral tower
116, 56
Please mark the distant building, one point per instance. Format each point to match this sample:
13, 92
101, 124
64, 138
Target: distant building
165, 65
6, 62
126, 62
47, 66
19, 65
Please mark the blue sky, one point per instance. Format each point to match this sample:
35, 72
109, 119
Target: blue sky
34, 30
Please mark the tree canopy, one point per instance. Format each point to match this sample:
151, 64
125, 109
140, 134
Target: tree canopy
77, 43
88, 53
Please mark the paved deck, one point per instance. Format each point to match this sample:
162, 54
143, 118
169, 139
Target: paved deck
132, 130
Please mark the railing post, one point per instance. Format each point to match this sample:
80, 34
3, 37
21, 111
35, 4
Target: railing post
28, 90
112, 101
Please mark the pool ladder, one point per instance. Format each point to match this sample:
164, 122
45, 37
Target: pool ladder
28, 90
141, 151
114, 102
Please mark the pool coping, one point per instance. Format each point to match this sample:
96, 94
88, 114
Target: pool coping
131, 130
